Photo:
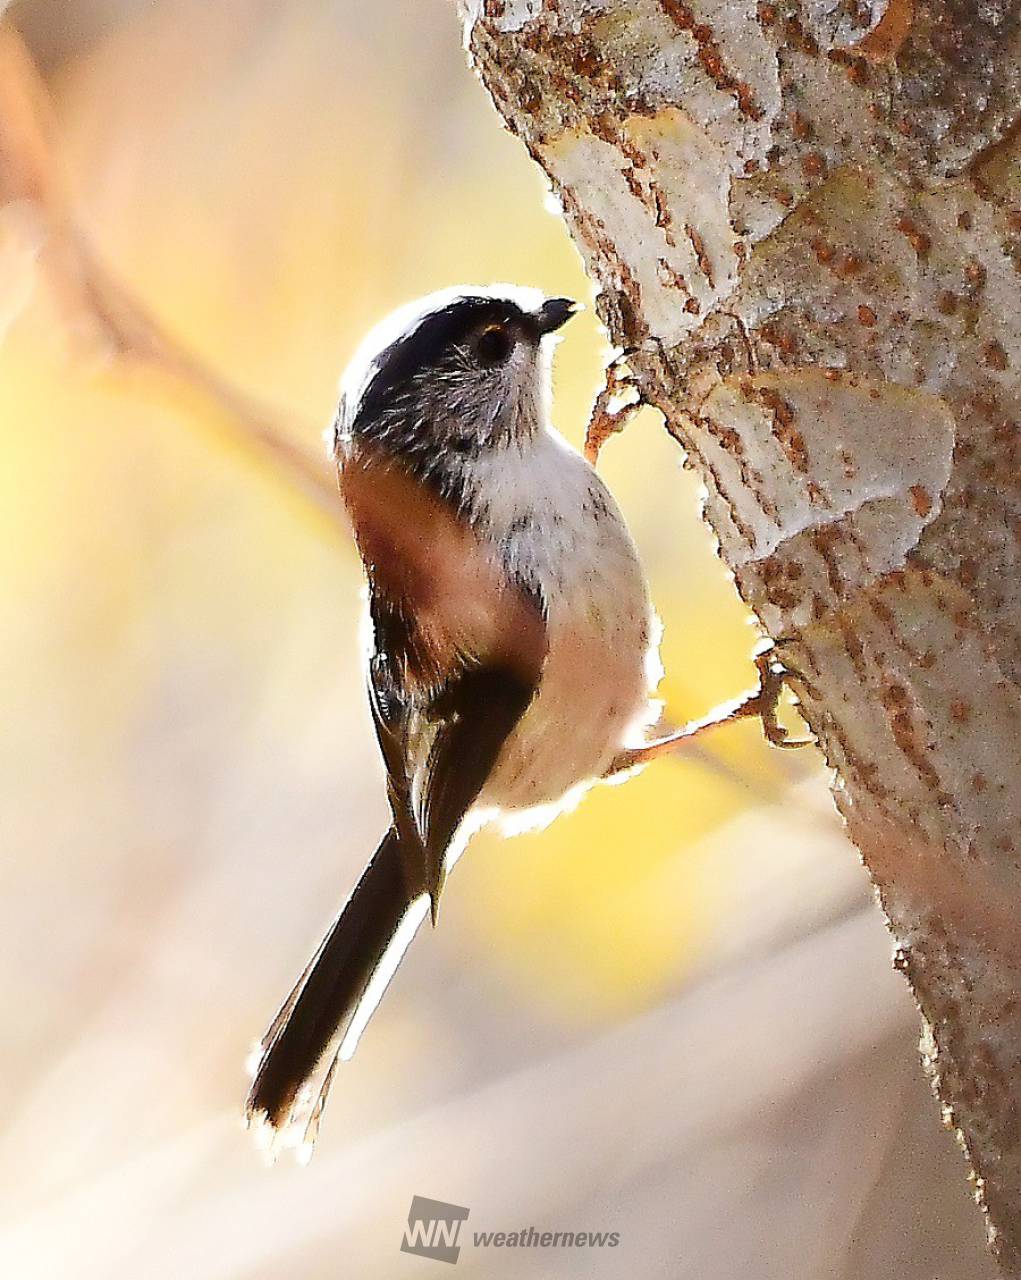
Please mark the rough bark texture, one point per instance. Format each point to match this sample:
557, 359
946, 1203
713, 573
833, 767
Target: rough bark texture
805, 219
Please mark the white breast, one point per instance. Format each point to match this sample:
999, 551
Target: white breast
555, 524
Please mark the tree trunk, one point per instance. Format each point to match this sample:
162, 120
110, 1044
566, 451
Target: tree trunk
804, 219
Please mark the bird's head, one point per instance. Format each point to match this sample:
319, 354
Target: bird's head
456, 373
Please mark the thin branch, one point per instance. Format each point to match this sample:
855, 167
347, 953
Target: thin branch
31, 175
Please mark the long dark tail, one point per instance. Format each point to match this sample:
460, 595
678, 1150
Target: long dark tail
334, 997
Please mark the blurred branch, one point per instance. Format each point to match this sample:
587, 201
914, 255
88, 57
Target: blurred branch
32, 183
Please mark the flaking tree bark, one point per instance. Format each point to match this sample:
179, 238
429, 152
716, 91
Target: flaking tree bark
804, 221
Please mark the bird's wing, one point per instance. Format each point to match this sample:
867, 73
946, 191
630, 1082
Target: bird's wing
458, 652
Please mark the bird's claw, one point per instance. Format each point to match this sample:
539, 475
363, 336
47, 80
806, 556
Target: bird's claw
619, 398
773, 677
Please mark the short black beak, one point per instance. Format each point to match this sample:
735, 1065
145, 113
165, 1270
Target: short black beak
553, 313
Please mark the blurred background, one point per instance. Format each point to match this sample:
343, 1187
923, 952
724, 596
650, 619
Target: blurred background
670, 1015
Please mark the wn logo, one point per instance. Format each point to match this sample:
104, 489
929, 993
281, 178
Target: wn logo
433, 1228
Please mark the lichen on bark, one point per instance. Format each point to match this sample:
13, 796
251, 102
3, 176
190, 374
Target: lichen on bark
804, 221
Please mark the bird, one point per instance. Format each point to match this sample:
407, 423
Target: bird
511, 643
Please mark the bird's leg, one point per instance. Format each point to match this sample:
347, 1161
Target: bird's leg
763, 702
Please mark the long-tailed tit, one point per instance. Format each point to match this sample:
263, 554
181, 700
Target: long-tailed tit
512, 648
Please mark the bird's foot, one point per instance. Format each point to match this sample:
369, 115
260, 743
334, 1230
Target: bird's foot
763, 703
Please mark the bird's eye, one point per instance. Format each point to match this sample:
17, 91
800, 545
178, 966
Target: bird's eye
494, 345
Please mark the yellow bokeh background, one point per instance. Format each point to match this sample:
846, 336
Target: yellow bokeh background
190, 777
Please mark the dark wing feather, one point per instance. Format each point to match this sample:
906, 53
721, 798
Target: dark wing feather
392, 709
441, 750
459, 649
476, 713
